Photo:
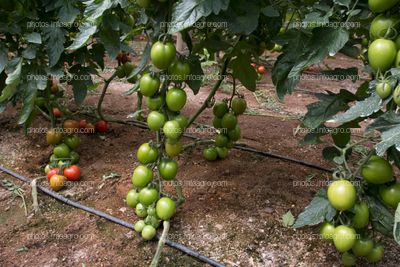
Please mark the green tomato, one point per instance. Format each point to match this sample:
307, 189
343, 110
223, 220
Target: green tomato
396, 95
361, 216
155, 102
390, 194
120, 72
176, 99
172, 129
221, 140
344, 238
128, 68
348, 259
377, 171
139, 225
376, 254
148, 196
61, 151
165, 208
141, 210
74, 157
239, 105
381, 25
141, 176
235, 134
132, 198
179, 71
342, 195
72, 141
217, 122
148, 232
162, 55
147, 154
383, 89
210, 154
363, 247
382, 54
220, 109
229, 121
173, 150
222, 152
155, 120
379, 6
168, 169
182, 120
149, 85
327, 231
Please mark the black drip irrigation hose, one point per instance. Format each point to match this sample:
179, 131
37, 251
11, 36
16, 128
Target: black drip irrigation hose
110, 218
252, 150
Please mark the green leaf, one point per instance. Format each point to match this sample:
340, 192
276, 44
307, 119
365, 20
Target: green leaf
288, 219
389, 126
301, 51
29, 52
270, 11
185, 13
110, 40
319, 112
345, 3
85, 32
396, 228
196, 76
97, 54
67, 11
143, 62
12, 82
80, 83
28, 103
3, 57
243, 71
33, 37
342, 74
96, 8
361, 109
54, 37
316, 212
380, 217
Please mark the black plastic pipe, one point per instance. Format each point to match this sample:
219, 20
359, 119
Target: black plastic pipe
110, 218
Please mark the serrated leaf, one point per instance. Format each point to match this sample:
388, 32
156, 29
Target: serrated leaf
380, 217
96, 8
67, 11
185, 13
34, 38
12, 82
97, 54
396, 228
28, 103
389, 126
288, 219
316, 212
80, 83
143, 62
361, 109
244, 72
85, 32
111, 41
54, 37
195, 79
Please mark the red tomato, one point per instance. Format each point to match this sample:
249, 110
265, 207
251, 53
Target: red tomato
90, 128
253, 65
72, 173
82, 123
56, 112
261, 69
101, 126
52, 172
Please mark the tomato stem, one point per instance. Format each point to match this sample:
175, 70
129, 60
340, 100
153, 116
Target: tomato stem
161, 243
103, 93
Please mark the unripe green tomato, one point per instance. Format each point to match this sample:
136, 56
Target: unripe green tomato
379, 6
173, 150
222, 152
348, 259
377, 170
141, 176
327, 230
390, 194
221, 140
210, 154
141, 210
154, 103
383, 89
148, 232
363, 247
132, 198
376, 254
344, 238
139, 225
155, 120
342, 195
382, 54
172, 129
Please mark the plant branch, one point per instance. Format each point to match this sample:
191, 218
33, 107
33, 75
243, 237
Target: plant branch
161, 243
103, 93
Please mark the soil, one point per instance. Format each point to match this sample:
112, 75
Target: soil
233, 210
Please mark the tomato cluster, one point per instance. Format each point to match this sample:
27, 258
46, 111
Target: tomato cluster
384, 49
259, 69
163, 89
351, 237
225, 121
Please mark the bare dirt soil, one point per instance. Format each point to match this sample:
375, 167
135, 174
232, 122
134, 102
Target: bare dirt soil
233, 209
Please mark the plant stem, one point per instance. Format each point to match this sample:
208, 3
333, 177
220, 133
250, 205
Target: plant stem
212, 93
197, 142
357, 171
103, 93
161, 242
233, 90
